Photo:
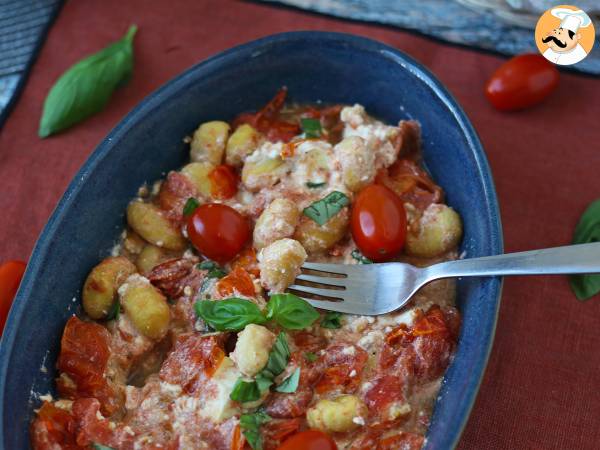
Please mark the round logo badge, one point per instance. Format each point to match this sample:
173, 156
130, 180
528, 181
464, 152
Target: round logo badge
564, 35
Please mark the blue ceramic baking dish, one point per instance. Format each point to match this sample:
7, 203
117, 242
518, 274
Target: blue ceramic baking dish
329, 67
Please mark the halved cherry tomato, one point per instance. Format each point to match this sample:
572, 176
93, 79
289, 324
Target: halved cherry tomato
378, 223
247, 261
238, 280
309, 440
11, 273
218, 231
521, 82
223, 182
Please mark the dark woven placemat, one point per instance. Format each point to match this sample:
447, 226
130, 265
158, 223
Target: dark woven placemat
23, 27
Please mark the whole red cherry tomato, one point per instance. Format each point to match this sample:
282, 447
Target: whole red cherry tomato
309, 440
521, 82
218, 231
378, 223
223, 182
11, 273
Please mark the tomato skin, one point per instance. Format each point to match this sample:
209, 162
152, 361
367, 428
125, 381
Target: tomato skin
521, 82
378, 223
218, 231
309, 440
223, 182
11, 273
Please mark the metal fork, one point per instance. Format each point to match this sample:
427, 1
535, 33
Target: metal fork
373, 289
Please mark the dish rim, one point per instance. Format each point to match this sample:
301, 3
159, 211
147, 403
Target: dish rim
155, 99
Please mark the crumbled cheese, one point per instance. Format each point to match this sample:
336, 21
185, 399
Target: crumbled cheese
350, 350
170, 389
352, 374
46, 398
358, 420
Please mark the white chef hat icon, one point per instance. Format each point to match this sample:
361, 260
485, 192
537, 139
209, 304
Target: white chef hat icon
571, 20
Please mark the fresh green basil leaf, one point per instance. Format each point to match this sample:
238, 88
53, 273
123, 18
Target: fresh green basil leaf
332, 320
358, 256
214, 271
115, 311
231, 314
190, 206
311, 127
312, 185
86, 87
101, 447
586, 286
278, 357
250, 425
310, 356
245, 391
264, 380
207, 265
290, 384
323, 210
291, 312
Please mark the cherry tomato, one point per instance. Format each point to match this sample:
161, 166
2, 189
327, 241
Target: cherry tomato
11, 273
237, 280
521, 82
309, 440
223, 182
218, 231
378, 223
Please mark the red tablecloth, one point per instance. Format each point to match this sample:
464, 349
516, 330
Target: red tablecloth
542, 385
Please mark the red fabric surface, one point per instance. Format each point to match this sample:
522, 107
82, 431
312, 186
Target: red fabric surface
541, 388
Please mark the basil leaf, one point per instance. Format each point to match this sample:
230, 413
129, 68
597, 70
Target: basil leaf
311, 127
312, 185
588, 230
86, 87
244, 391
332, 320
115, 311
101, 447
323, 210
190, 206
278, 357
207, 265
291, 312
290, 384
357, 255
214, 271
232, 314
264, 380
250, 425
310, 356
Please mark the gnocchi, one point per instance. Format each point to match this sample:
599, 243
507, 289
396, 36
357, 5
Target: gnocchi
342, 414
357, 162
279, 264
197, 173
209, 141
317, 238
276, 222
145, 306
242, 142
149, 222
437, 231
252, 349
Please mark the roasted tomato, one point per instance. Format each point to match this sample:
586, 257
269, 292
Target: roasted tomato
378, 223
521, 82
11, 273
54, 428
238, 281
223, 182
218, 231
247, 261
309, 440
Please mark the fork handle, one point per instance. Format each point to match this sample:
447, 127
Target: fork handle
581, 258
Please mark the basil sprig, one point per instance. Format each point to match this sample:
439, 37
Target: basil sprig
358, 256
214, 270
190, 206
323, 210
311, 185
291, 312
233, 314
96, 446
250, 425
311, 127
86, 87
290, 384
249, 391
332, 320
588, 230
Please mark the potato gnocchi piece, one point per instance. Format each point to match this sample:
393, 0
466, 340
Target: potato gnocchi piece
101, 285
317, 238
342, 414
148, 221
145, 306
276, 222
262, 173
197, 173
208, 142
280, 263
438, 230
150, 257
252, 349
133, 243
242, 142
357, 161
